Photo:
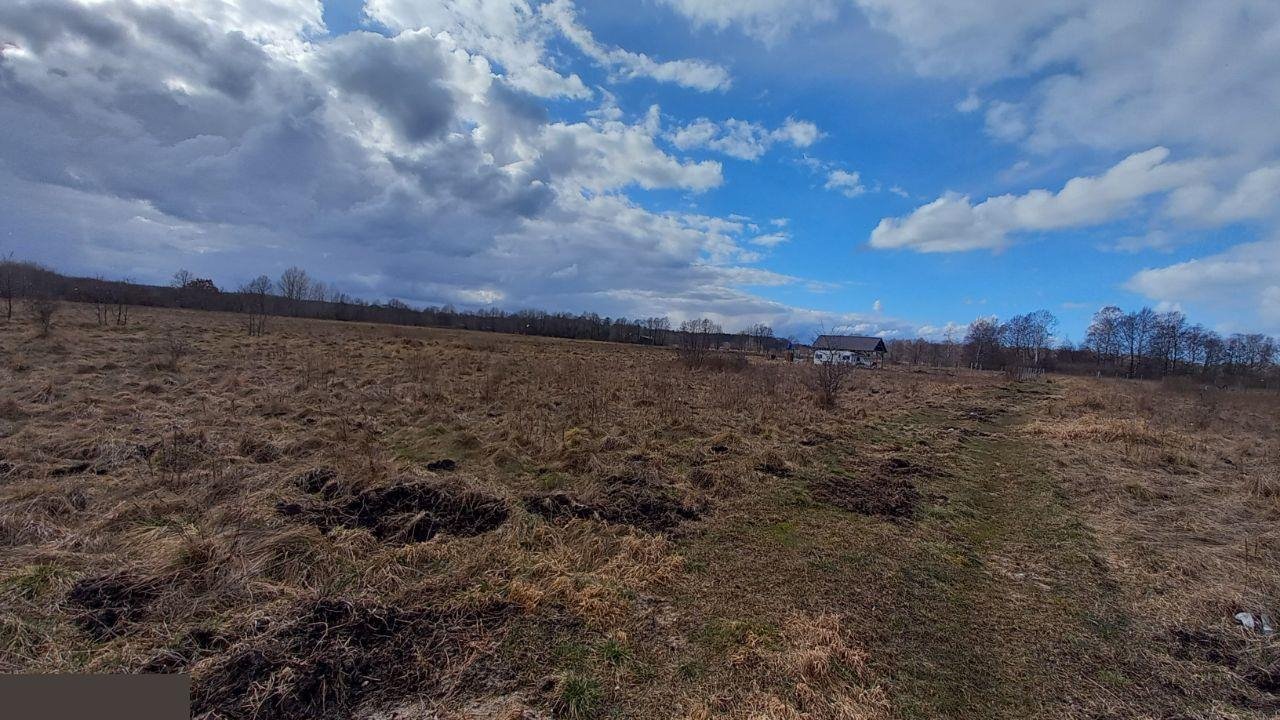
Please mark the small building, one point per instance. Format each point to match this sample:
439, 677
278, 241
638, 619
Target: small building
860, 350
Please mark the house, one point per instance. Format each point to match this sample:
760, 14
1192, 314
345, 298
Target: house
849, 350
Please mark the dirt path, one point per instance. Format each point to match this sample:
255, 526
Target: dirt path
989, 602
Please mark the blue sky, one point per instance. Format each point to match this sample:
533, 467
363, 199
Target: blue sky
898, 167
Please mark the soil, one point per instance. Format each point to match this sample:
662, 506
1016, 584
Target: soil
887, 491
622, 499
106, 603
406, 512
333, 654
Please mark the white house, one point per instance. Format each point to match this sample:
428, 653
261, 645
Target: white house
849, 350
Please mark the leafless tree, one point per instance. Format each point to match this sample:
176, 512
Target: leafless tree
8, 283
41, 309
255, 294
697, 339
295, 284
318, 292
982, 341
182, 278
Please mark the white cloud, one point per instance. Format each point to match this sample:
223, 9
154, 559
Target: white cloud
954, 223
1241, 278
1154, 240
1255, 196
768, 20
516, 33
743, 139
970, 103
401, 166
1004, 121
845, 182
877, 306
695, 74
771, 240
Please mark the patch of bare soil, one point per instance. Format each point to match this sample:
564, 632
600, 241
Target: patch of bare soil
408, 511
104, 605
334, 654
622, 499
1255, 660
886, 491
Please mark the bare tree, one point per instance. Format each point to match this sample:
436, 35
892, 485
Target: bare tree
697, 339
41, 309
1136, 331
1103, 335
982, 341
182, 278
255, 295
8, 283
318, 292
295, 284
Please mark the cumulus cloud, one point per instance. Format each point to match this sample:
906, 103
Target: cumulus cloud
516, 34
845, 182
695, 74
743, 139
238, 139
1243, 277
954, 223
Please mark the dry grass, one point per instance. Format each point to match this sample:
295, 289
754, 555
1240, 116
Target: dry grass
585, 530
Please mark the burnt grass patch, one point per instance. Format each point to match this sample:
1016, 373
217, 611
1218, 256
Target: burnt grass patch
332, 654
103, 606
886, 491
408, 511
1256, 662
621, 499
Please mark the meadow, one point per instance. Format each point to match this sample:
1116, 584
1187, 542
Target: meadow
350, 520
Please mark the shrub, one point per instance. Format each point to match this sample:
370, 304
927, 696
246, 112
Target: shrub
827, 381
42, 310
172, 349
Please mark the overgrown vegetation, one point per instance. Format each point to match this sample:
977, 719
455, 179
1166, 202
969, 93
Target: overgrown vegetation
353, 520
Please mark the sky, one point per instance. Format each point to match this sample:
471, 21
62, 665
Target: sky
897, 167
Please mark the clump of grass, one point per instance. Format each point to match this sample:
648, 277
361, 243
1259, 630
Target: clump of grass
577, 697
614, 651
34, 581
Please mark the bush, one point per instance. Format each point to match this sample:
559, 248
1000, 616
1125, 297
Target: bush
41, 310
172, 349
827, 381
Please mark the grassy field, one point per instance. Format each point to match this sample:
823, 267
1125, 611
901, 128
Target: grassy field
341, 520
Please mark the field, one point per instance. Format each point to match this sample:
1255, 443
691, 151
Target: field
338, 520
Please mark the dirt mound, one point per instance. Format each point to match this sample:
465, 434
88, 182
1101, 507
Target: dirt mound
331, 655
622, 499
409, 511
886, 491
104, 604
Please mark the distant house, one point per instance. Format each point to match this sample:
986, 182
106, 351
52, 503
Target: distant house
849, 350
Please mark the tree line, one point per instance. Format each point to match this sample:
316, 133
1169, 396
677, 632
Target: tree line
1138, 344
295, 293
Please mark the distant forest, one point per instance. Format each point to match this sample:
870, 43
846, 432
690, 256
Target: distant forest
1137, 344
297, 294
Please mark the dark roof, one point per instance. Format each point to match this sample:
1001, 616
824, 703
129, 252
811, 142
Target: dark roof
856, 343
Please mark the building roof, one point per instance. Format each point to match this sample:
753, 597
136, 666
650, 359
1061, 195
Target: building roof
856, 343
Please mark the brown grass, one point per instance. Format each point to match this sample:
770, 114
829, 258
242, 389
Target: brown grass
189, 515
